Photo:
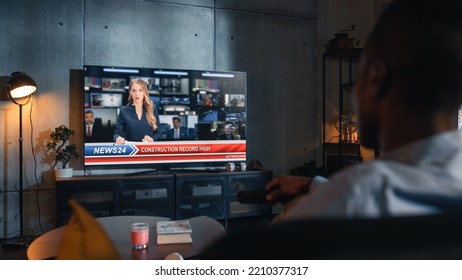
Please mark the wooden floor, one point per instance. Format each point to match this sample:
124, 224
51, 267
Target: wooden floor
233, 225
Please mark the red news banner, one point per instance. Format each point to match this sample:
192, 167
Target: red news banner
164, 152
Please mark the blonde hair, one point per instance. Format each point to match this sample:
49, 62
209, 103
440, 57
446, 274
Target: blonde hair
147, 103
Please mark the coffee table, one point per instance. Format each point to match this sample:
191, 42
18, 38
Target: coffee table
205, 230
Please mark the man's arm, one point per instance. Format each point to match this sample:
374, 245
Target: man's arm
285, 188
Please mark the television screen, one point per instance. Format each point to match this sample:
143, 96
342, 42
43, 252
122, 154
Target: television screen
459, 119
210, 107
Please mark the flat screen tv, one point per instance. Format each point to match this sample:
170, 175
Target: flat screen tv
459, 119
206, 102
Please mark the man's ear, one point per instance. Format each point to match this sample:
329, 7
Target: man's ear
380, 76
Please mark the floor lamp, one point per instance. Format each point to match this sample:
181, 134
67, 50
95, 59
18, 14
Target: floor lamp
20, 88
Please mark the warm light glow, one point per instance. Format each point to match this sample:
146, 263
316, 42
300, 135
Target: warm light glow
23, 91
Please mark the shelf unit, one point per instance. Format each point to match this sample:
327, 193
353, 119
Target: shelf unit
337, 155
201, 194
146, 197
179, 195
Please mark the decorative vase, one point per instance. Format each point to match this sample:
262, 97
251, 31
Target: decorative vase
64, 172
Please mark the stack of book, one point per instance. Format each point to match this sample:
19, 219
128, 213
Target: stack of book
173, 232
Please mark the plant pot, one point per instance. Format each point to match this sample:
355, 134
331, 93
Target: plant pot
64, 172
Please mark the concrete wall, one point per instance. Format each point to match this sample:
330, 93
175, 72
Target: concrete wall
44, 39
275, 42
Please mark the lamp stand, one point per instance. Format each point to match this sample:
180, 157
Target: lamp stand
21, 241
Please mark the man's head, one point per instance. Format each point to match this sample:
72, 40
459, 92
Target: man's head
227, 129
176, 122
89, 118
412, 62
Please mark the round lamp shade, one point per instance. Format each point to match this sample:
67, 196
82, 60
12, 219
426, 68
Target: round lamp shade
20, 85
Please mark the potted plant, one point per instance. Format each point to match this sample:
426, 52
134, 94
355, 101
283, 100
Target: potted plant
64, 151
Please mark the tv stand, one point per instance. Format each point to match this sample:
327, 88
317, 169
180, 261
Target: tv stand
176, 194
151, 171
168, 170
193, 170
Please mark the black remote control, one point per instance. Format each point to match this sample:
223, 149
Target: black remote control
252, 196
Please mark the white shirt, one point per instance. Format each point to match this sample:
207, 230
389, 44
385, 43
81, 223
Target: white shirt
424, 177
89, 129
177, 133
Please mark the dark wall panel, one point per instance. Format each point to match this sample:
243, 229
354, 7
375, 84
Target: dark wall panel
297, 8
44, 39
279, 54
204, 3
137, 33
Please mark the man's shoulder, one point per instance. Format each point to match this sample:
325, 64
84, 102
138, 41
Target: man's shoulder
367, 174
378, 175
97, 125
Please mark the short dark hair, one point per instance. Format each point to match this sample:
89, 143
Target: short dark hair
89, 112
420, 41
176, 118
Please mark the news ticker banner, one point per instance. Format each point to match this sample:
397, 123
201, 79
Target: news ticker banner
235, 269
165, 152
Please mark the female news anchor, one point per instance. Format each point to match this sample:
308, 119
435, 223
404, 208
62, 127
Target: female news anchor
137, 121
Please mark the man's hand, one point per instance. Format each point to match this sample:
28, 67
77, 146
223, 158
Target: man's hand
148, 138
285, 188
120, 140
